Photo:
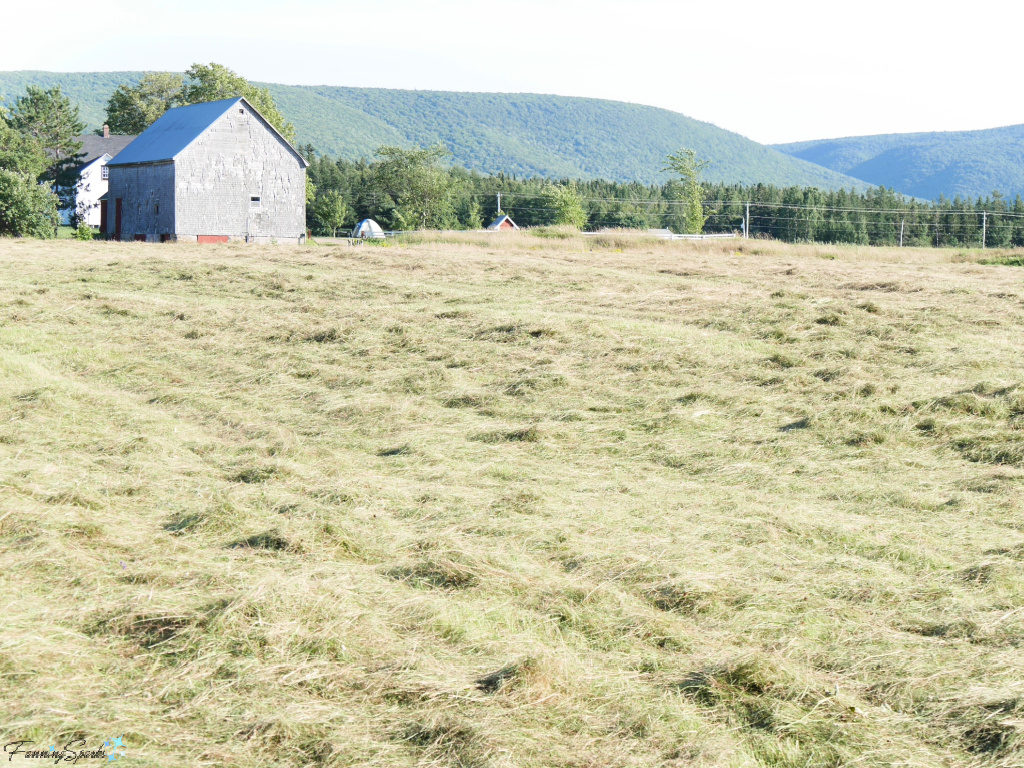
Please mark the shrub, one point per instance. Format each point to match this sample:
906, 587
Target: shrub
26, 208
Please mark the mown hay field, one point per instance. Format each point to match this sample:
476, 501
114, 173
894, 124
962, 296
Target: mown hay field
513, 500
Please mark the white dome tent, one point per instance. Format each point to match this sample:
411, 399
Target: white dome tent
368, 229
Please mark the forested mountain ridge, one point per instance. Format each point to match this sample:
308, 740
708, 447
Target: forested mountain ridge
925, 165
523, 134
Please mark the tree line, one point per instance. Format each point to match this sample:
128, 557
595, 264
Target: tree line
877, 216
405, 189
408, 188
412, 189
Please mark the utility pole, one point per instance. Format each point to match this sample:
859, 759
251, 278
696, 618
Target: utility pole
984, 228
499, 203
903, 223
746, 223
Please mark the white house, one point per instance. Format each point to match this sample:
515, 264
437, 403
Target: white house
96, 152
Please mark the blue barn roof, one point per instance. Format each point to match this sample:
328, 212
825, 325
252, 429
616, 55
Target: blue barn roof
176, 129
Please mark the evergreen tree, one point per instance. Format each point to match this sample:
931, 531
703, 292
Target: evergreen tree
1017, 233
51, 122
48, 117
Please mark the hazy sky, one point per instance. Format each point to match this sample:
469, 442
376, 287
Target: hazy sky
781, 71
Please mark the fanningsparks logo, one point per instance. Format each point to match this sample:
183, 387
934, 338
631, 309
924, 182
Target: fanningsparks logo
72, 752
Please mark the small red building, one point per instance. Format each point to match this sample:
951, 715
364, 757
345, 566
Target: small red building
503, 222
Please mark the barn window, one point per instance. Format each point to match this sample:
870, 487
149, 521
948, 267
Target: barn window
241, 111
104, 173
254, 202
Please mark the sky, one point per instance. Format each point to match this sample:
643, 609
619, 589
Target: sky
772, 71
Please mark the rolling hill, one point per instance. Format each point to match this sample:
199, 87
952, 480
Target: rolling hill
926, 165
523, 134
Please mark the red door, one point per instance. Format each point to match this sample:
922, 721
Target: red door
103, 217
117, 218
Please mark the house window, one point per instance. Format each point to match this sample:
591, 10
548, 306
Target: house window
254, 202
241, 111
104, 173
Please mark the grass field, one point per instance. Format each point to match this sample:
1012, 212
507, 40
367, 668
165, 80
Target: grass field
473, 501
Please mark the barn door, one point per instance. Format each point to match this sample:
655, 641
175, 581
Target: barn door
117, 218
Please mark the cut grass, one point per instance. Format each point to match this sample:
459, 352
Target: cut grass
531, 501
1005, 261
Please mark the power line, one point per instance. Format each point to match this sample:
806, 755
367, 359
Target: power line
924, 209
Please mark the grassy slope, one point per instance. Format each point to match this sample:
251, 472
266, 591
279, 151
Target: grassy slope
516, 133
926, 165
484, 502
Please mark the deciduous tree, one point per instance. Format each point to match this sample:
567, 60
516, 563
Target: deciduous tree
566, 204
331, 211
212, 82
21, 153
131, 109
687, 193
471, 215
414, 190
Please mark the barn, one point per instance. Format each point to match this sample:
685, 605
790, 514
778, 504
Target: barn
206, 173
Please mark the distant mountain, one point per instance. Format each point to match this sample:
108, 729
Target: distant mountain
926, 165
523, 134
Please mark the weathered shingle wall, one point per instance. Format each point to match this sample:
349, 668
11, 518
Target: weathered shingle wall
147, 192
239, 157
